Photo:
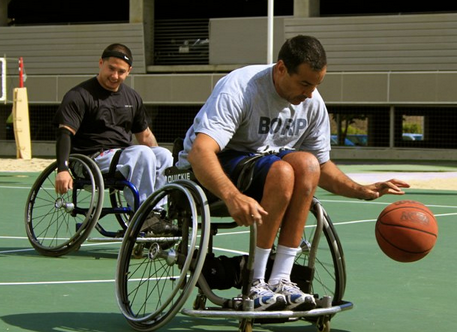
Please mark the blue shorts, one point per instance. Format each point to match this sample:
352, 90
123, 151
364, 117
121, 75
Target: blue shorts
230, 159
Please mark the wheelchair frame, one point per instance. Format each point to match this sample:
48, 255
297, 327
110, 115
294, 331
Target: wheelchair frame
156, 275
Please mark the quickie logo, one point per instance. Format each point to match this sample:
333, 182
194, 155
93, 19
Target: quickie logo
180, 176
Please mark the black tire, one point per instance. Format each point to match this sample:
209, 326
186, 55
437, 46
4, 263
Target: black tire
155, 276
58, 224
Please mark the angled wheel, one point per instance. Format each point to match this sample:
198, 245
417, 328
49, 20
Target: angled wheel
319, 267
245, 325
58, 224
156, 275
323, 324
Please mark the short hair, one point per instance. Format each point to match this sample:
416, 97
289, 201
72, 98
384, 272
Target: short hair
119, 51
302, 49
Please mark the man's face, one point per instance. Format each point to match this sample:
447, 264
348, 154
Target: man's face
295, 88
112, 73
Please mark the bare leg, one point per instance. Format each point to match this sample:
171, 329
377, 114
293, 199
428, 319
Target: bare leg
277, 193
307, 173
288, 192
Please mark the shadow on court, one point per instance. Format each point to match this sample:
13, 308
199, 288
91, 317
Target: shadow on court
113, 322
98, 253
67, 321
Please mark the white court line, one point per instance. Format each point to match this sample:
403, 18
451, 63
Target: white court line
14, 237
15, 250
32, 249
342, 223
87, 244
381, 203
13, 187
230, 251
34, 283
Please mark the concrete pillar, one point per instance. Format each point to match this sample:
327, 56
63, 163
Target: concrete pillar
136, 11
306, 8
4, 12
142, 11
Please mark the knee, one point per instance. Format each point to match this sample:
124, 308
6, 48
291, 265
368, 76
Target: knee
306, 169
311, 165
282, 177
145, 156
164, 156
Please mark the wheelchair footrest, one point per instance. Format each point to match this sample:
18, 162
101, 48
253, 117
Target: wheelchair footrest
226, 313
105, 239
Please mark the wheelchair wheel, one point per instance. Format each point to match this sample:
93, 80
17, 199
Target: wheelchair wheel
156, 275
58, 224
320, 266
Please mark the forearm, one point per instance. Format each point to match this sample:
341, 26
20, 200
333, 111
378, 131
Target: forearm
210, 174
147, 138
63, 180
152, 141
335, 181
63, 147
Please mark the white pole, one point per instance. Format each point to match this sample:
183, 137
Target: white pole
3, 96
270, 31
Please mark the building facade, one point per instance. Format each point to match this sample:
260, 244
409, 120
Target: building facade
389, 87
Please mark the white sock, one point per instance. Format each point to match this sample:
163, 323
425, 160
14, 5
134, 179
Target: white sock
260, 263
282, 267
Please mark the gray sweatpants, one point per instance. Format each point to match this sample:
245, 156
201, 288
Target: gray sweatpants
141, 165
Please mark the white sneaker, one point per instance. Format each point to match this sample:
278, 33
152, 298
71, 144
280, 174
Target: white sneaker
295, 299
264, 298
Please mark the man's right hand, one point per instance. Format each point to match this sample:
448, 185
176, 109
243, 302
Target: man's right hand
64, 182
245, 210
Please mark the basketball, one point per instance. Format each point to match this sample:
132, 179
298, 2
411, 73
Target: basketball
406, 231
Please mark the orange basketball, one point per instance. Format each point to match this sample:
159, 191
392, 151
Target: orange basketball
406, 231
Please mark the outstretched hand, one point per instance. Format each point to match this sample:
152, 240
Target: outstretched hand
378, 189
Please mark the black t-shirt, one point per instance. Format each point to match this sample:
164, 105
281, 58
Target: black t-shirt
102, 119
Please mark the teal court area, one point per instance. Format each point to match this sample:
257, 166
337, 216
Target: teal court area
76, 292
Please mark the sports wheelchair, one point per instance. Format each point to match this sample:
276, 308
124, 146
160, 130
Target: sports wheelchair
58, 224
155, 276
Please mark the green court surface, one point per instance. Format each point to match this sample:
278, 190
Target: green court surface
76, 292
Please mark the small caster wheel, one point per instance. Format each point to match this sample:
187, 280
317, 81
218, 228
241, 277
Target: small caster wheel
200, 302
138, 251
323, 324
245, 325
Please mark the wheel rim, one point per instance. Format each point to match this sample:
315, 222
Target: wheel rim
57, 224
152, 289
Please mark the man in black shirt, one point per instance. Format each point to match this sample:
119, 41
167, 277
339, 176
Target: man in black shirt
99, 116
